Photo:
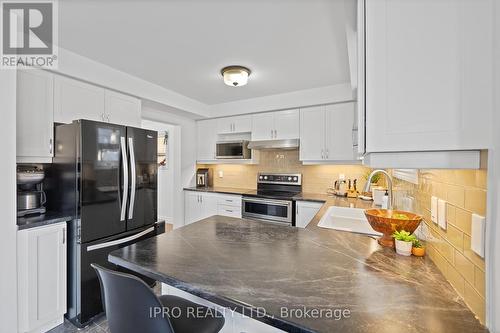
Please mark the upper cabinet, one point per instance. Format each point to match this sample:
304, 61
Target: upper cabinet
278, 125
428, 75
327, 133
206, 139
74, 99
35, 109
122, 109
237, 124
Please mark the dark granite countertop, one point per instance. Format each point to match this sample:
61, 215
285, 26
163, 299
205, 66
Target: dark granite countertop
246, 264
49, 217
224, 190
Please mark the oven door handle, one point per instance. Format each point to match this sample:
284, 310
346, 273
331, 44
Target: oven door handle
269, 201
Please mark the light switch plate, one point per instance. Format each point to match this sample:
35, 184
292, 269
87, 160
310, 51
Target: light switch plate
434, 210
442, 214
477, 234
221, 174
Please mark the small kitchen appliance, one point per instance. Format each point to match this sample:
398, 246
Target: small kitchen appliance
274, 198
30, 195
203, 177
233, 150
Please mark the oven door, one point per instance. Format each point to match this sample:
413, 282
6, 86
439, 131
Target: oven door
268, 209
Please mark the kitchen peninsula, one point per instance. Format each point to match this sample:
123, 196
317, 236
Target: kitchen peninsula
250, 265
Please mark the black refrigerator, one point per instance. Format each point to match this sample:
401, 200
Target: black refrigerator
107, 178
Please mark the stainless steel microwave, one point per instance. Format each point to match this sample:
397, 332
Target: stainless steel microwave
233, 150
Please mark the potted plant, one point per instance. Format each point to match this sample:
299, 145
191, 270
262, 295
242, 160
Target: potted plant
418, 250
404, 242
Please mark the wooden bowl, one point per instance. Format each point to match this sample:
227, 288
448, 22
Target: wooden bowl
386, 221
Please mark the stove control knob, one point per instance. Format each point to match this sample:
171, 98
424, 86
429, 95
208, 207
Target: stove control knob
265, 177
289, 179
260, 177
295, 179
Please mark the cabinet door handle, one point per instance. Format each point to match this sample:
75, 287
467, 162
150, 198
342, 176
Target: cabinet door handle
50, 146
322, 154
275, 134
326, 154
64, 236
272, 134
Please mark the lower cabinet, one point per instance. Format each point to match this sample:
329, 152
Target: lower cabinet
200, 205
41, 276
305, 211
234, 321
229, 205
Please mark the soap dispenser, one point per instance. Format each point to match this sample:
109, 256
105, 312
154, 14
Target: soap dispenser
385, 200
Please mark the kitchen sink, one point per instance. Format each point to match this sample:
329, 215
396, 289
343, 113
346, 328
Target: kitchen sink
347, 219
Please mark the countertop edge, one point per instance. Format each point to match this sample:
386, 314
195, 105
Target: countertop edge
241, 308
42, 222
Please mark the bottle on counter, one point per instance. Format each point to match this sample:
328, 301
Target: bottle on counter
385, 200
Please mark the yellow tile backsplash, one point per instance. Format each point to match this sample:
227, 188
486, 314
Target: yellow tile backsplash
465, 193
315, 178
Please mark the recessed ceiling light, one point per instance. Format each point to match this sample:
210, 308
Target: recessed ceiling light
235, 76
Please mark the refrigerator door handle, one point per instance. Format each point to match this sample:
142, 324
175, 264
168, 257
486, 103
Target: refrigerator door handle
133, 176
125, 178
120, 241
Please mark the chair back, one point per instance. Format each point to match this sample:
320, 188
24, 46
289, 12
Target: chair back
130, 305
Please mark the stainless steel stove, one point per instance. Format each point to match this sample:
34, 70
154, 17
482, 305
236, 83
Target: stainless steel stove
273, 199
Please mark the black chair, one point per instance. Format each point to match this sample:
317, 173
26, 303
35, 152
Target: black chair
131, 307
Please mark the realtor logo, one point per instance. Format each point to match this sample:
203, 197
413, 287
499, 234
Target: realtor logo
29, 34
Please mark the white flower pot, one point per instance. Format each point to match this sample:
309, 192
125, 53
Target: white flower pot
403, 248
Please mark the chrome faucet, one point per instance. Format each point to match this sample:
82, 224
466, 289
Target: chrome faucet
390, 204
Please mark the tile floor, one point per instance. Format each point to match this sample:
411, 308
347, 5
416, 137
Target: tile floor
99, 326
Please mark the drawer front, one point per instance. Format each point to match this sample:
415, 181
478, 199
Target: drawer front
231, 211
229, 200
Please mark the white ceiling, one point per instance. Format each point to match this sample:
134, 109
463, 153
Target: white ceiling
181, 45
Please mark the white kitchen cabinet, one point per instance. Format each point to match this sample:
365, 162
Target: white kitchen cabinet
122, 109
263, 126
229, 205
198, 206
206, 140
41, 269
280, 125
428, 75
305, 211
312, 133
74, 99
327, 133
340, 132
34, 116
237, 124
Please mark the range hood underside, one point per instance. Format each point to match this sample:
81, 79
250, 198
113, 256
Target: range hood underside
274, 144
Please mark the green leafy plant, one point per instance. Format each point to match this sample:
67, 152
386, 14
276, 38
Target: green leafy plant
417, 244
376, 177
404, 236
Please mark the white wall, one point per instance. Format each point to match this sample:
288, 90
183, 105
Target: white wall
184, 151
82, 68
165, 174
493, 226
308, 97
8, 229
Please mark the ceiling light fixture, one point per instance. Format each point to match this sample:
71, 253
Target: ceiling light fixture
235, 76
